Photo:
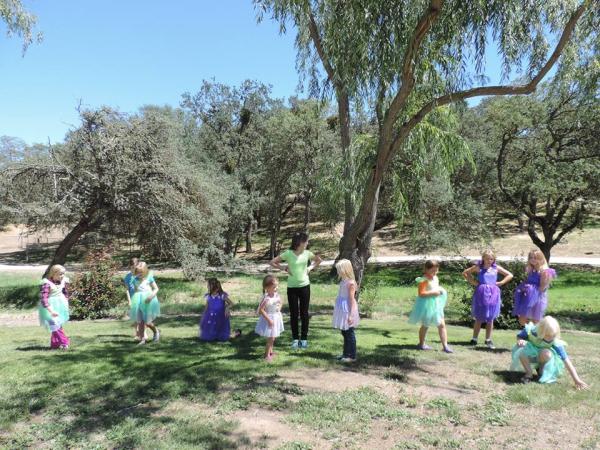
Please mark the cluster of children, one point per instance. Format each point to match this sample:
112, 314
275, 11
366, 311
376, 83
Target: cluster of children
538, 344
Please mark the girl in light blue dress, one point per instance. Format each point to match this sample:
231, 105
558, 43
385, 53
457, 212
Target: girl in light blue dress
429, 306
144, 303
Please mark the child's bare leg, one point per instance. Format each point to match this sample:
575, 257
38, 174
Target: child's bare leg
443, 333
153, 328
422, 334
476, 329
543, 357
140, 330
269, 347
489, 327
526, 365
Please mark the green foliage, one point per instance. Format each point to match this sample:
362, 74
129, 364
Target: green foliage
370, 295
19, 21
94, 293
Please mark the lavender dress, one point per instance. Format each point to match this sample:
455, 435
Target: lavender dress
215, 325
342, 309
486, 303
530, 302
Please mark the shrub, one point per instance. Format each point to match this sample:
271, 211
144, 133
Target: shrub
369, 295
95, 292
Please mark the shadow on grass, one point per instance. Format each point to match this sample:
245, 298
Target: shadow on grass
509, 376
489, 350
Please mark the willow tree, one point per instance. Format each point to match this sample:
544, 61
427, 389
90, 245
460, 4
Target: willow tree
405, 59
19, 21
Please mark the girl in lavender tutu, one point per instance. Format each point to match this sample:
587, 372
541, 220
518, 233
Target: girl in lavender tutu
345, 312
486, 303
270, 322
531, 297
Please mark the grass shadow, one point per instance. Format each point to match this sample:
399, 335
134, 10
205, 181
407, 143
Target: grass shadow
509, 376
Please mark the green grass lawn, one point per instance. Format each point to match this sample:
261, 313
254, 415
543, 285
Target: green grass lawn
105, 392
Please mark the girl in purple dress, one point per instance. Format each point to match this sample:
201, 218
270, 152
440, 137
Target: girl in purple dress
486, 303
531, 298
215, 325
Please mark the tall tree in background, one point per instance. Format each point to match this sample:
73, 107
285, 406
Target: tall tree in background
19, 22
229, 127
406, 59
118, 173
548, 159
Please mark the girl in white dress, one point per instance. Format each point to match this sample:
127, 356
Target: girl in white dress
270, 322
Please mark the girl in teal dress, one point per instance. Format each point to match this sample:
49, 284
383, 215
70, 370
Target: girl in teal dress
540, 347
429, 306
144, 303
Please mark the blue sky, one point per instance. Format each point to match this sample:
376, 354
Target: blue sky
130, 53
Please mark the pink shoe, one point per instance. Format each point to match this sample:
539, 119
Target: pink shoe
423, 347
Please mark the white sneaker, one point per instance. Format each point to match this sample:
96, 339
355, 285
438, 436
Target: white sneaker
156, 336
294, 344
303, 343
142, 342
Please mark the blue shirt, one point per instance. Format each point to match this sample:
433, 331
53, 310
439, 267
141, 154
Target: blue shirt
558, 348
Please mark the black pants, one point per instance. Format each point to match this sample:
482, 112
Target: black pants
298, 301
349, 343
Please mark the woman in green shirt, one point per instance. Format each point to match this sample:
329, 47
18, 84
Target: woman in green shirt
298, 291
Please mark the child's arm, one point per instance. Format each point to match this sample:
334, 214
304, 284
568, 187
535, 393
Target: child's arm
353, 304
507, 276
579, 383
468, 275
522, 338
153, 292
544, 280
228, 305
423, 292
263, 312
44, 295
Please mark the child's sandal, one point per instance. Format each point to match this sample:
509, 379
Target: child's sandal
527, 379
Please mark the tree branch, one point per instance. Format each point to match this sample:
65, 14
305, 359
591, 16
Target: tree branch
495, 90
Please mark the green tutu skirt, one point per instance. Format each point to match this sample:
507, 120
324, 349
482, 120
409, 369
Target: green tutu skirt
59, 306
142, 311
553, 369
429, 311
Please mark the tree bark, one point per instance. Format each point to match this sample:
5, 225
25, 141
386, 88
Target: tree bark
249, 236
86, 224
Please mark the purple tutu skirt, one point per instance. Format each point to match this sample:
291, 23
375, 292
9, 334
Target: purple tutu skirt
486, 303
530, 302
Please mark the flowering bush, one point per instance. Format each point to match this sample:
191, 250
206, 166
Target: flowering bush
94, 293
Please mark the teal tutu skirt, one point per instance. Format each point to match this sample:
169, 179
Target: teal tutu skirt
142, 311
59, 306
429, 310
553, 369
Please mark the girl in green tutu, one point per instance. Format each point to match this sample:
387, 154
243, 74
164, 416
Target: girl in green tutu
539, 346
144, 303
429, 306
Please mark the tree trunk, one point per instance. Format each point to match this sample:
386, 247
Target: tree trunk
546, 245
249, 237
307, 198
344, 123
85, 225
273, 244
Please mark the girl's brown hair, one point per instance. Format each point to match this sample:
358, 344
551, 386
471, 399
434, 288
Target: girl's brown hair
214, 285
269, 280
430, 264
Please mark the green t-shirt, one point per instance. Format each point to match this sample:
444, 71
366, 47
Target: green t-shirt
297, 267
